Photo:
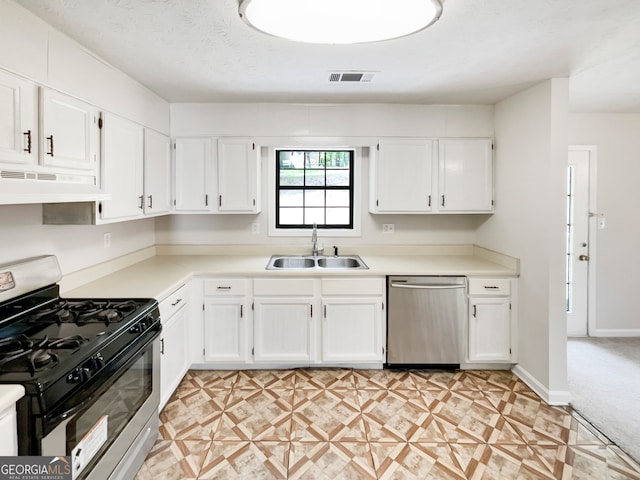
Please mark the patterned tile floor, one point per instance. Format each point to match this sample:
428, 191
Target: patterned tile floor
373, 424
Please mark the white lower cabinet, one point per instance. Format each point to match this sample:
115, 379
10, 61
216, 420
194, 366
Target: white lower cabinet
293, 322
226, 321
352, 320
173, 342
490, 322
225, 330
282, 329
352, 330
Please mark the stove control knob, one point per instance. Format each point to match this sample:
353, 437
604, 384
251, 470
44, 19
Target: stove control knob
76, 376
95, 363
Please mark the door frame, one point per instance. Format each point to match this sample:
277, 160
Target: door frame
593, 218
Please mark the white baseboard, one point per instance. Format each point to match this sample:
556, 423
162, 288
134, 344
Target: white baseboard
552, 397
615, 332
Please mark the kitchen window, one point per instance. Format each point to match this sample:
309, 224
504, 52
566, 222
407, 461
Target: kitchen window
314, 187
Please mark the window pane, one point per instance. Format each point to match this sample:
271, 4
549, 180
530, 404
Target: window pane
291, 198
314, 215
338, 216
338, 178
312, 160
314, 198
291, 178
337, 198
291, 216
284, 160
314, 178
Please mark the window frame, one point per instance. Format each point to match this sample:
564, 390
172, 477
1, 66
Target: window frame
360, 149
350, 188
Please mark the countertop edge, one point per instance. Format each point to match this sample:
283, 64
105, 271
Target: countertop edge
9, 395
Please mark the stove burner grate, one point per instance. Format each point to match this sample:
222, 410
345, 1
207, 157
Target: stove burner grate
82, 312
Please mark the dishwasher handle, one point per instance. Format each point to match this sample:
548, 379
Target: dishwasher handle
423, 286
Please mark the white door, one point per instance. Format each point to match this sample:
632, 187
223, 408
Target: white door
225, 330
580, 248
18, 113
192, 174
465, 175
281, 330
238, 165
122, 168
403, 174
68, 131
352, 330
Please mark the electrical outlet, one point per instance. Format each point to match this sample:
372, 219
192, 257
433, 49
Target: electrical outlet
255, 228
602, 223
388, 228
106, 238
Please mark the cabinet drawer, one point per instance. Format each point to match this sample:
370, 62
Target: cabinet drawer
174, 302
489, 286
225, 287
352, 286
283, 286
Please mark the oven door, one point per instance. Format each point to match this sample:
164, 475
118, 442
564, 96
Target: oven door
103, 428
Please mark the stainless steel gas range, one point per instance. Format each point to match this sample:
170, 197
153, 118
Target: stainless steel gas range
90, 369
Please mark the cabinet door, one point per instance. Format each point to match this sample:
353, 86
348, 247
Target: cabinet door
352, 330
402, 176
238, 176
489, 329
122, 168
18, 113
225, 330
173, 354
282, 330
157, 173
465, 175
68, 132
193, 172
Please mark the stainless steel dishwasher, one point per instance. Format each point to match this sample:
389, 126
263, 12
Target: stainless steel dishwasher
426, 319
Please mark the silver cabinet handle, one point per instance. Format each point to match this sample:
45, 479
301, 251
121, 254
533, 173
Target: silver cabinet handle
223, 288
176, 302
427, 287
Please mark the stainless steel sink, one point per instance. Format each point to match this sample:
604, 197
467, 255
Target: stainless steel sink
293, 262
339, 262
296, 262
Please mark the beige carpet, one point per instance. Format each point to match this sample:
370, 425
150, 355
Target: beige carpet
604, 380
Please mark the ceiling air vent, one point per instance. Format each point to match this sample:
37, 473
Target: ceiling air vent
351, 77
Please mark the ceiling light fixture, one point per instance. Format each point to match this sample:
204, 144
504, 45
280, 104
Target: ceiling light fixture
340, 21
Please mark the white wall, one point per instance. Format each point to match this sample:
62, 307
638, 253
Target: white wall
342, 124
531, 156
22, 235
617, 138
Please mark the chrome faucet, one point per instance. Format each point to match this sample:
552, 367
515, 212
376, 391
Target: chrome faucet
314, 240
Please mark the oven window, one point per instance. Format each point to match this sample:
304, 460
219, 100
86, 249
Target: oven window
91, 432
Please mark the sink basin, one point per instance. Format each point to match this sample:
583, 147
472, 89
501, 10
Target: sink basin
339, 262
295, 262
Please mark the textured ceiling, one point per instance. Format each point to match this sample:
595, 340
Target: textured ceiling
479, 52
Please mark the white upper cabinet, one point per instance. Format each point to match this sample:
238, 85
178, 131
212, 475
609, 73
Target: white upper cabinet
18, 120
401, 176
405, 176
465, 175
238, 176
68, 132
193, 175
157, 173
122, 168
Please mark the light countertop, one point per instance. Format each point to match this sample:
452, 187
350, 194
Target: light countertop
159, 275
10, 394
